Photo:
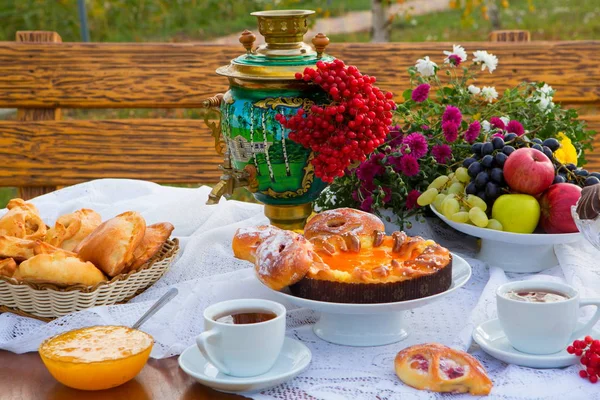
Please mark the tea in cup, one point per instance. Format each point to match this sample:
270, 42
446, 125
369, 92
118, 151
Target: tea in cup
541, 317
243, 337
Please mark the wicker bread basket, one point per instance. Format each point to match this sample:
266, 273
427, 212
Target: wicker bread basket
46, 301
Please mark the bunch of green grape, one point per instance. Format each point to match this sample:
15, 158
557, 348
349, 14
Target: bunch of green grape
447, 195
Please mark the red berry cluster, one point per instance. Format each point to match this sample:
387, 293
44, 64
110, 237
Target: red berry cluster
350, 127
589, 351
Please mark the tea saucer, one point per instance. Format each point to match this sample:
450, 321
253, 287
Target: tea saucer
293, 360
490, 336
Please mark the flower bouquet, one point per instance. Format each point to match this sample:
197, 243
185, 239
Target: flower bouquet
438, 144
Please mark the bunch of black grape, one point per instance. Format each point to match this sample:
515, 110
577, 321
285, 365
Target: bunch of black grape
485, 167
578, 176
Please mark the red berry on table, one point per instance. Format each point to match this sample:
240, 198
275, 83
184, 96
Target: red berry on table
571, 350
584, 360
578, 352
591, 371
594, 378
583, 374
588, 339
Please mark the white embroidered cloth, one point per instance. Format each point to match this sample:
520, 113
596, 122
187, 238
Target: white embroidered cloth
206, 272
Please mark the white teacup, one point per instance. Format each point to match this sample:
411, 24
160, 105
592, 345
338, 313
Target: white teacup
542, 328
246, 349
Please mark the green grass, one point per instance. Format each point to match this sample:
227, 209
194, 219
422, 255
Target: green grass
552, 20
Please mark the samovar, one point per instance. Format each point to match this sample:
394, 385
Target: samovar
257, 151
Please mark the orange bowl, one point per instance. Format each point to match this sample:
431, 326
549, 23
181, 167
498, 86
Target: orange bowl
97, 357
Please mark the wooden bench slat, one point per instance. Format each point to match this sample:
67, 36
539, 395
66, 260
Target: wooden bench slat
56, 153
131, 75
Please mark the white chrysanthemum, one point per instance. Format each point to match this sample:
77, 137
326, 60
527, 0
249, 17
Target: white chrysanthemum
546, 90
474, 89
425, 66
489, 93
486, 59
486, 126
506, 120
457, 50
545, 104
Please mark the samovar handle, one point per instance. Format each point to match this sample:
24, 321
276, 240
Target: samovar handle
214, 103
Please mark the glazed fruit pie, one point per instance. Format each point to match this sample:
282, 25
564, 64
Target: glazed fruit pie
345, 256
441, 369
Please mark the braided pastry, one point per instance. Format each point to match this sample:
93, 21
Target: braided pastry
441, 369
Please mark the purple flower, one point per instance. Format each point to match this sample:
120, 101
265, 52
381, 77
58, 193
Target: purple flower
395, 136
515, 127
452, 114
450, 130
388, 195
369, 169
497, 122
367, 203
411, 199
421, 93
417, 144
473, 131
454, 59
442, 153
425, 127
409, 165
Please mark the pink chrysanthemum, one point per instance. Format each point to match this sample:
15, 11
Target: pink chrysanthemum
411, 199
388, 195
498, 134
367, 203
409, 165
450, 130
473, 131
442, 153
367, 170
497, 123
421, 93
417, 144
454, 59
515, 127
452, 114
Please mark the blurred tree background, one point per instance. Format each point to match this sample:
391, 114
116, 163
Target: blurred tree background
200, 20
204, 20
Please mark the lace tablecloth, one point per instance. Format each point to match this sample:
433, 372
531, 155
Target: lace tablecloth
206, 272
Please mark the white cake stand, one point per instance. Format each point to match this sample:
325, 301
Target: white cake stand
372, 324
514, 252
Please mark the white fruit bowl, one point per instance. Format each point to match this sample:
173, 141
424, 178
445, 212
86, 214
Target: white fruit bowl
514, 252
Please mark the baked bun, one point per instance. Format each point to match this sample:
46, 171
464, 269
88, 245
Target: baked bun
441, 369
22, 221
246, 241
154, 238
344, 222
70, 229
111, 245
59, 269
8, 267
281, 257
16, 248
45, 248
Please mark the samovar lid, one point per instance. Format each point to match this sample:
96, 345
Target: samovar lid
284, 52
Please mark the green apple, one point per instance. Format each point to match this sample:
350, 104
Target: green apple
518, 213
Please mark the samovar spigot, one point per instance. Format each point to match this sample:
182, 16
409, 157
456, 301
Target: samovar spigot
231, 179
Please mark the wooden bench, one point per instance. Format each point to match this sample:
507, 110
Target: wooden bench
39, 76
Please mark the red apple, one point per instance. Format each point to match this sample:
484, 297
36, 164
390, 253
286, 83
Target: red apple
528, 171
555, 205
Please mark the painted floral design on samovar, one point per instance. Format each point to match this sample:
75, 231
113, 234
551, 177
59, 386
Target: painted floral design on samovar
258, 153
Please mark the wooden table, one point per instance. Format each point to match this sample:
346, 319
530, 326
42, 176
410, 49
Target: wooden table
24, 377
